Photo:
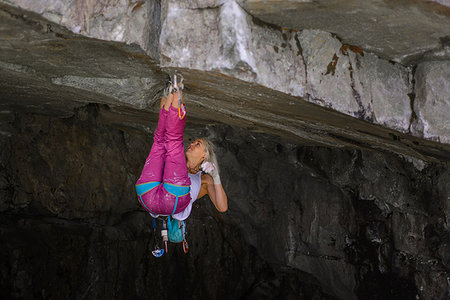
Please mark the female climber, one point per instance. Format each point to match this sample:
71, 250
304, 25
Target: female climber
172, 179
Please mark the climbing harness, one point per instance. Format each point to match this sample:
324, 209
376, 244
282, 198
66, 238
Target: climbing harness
174, 86
172, 231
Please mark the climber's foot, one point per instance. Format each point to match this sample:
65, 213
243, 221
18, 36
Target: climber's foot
162, 102
175, 100
168, 102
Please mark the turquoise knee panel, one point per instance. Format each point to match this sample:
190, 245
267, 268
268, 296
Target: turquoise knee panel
177, 191
143, 188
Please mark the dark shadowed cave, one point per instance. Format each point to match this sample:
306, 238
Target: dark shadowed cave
358, 220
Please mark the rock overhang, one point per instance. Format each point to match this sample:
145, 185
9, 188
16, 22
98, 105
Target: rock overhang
401, 31
238, 71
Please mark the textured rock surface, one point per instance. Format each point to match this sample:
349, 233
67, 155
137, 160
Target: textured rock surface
111, 20
91, 239
337, 76
216, 38
348, 80
348, 221
432, 101
43, 61
47, 69
226, 39
402, 31
305, 221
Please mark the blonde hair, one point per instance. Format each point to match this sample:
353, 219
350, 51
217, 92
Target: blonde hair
210, 154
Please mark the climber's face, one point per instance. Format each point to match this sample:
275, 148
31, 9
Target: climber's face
196, 150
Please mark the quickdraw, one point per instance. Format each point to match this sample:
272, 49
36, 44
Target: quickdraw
164, 234
185, 246
157, 252
175, 86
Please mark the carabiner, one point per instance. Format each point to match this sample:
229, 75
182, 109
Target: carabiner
158, 252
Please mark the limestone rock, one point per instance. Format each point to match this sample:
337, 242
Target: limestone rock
269, 70
399, 31
432, 101
226, 39
52, 67
111, 20
131, 90
388, 87
360, 84
340, 77
326, 69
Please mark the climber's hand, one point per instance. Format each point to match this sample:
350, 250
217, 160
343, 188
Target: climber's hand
210, 168
207, 167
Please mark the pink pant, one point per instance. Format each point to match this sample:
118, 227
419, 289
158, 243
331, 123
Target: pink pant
164, 185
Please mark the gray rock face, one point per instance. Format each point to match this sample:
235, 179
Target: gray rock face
50, 60
348, 80
111, 20
226, 39
219, 38
401, 31
60, 71
131, 91
77, 111
416, 28
432, 102
303, 221
336, 76
385, 89
341, 77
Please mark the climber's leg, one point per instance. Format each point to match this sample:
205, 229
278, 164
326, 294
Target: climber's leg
152, 172
175, 178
